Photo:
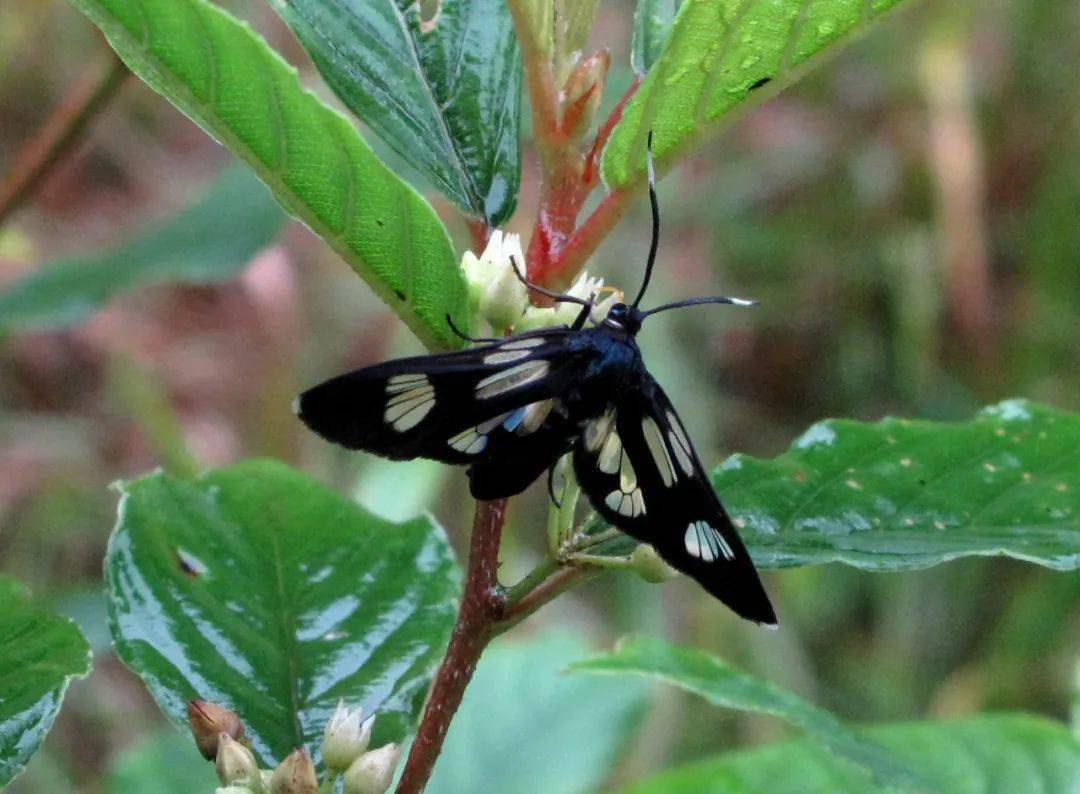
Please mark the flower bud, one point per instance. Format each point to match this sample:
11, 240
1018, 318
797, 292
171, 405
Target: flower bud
235, 764
583, 91
647, 564
373, 772
565, 313
495, 291
346, 736
295, 775
207, 720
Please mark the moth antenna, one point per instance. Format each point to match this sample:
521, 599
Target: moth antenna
462, 335
699, 302
655, 205
559, 297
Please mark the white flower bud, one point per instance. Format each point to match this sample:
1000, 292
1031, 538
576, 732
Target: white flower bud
346, 736
373, 772
565, 313
495, 292
235, 764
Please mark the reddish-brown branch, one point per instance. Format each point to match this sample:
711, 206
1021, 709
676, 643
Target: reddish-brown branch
482, 605
592, 172
59, 134
556, 584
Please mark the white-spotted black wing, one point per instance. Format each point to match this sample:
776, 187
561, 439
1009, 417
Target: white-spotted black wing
495, 407
641, 473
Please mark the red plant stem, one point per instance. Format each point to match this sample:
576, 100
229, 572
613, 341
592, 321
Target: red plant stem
555, 585
569, 181
58, 135
482, 605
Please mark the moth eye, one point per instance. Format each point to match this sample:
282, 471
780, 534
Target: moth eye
704, 542
658, 449
681, 445
411, 398
509, 379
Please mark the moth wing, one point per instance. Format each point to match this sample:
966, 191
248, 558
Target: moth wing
641, 473
495, 407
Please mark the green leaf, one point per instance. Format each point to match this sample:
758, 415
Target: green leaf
901, 494
575, 727
652, 23
259, 589
445, 94
716, 56
166, 763
985, 754
209, 240
40, 653
226, 79
725, 686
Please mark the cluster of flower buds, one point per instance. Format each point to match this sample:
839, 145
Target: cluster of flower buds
344, 750
498, 296
219, 735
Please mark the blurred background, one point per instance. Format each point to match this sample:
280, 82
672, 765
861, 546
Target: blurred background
907, 215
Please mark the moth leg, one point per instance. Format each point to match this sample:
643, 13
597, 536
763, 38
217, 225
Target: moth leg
551, 488
462, 335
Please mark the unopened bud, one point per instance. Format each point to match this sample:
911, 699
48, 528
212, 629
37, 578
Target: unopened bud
346, 736
373, 772
583, 92
207, 721
295, 775
235, 764
649, 566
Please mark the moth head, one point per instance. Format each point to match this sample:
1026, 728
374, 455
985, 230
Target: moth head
622, 317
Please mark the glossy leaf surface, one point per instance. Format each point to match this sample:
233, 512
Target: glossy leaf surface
652, 23
259, 589
444, 93
226, 79
901, 494
209, 240
989, 754
40, 653
525, 727
725, 686
717, 56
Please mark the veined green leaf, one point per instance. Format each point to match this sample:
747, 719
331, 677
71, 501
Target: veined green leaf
259, 589
903, 494
40, 653
719, 56
652, 23
725, 686
445, 94
226, 78
900, 494
985, 754
209, 240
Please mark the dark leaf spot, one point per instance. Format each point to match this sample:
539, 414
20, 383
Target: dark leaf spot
400, 294
760, 83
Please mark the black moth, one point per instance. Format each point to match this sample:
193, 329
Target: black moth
510, 408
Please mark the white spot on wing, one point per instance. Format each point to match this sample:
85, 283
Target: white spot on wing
510, 379
506, 356
655, 440
680, 444
596, 431
705, 542
610, 454
411, 398
535, 414
523, 344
